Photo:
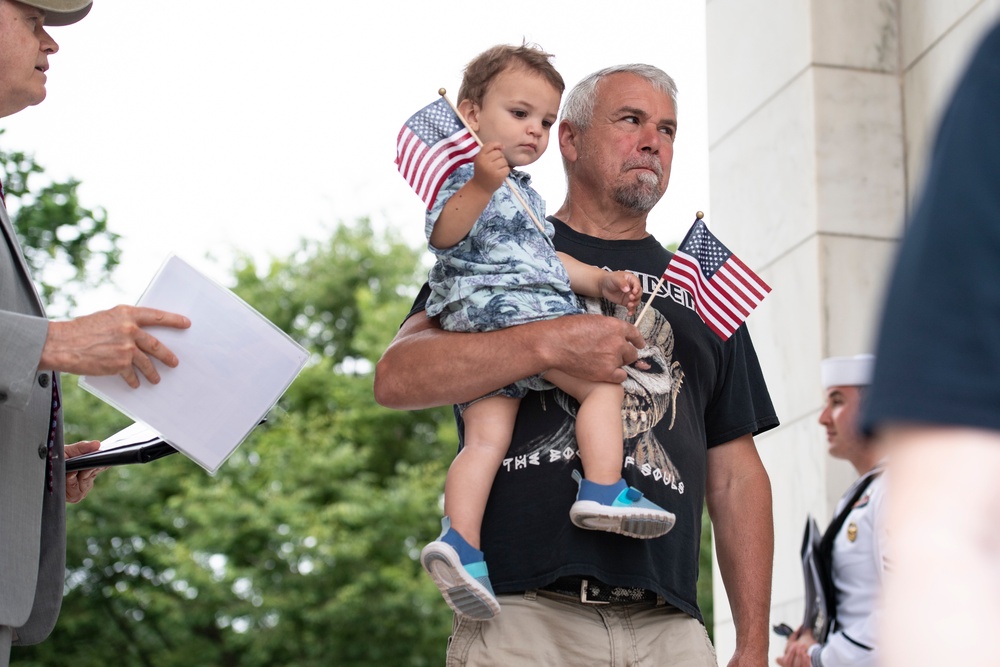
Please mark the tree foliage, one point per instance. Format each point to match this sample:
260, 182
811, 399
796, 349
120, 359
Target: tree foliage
67, 246
303, 549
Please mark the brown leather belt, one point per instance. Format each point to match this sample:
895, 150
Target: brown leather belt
593, 591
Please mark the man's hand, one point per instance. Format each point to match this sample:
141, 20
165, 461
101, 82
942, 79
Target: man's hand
595, 347
111, 342
426, 367
797, 649
79, 484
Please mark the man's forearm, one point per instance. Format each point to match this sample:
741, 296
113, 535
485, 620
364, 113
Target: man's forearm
426, 367
739, 503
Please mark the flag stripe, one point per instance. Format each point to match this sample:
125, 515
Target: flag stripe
718, 290
431, 145
726, 281
409, 145
427, 166
713, 298
443, 160
414, 151
707, 304
456, 161
725, 290
750, 279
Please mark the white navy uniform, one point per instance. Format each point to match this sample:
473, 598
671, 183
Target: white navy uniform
859, 563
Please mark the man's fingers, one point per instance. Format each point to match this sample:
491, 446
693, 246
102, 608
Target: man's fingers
148, 347
635, 338
152, 317
145, 365
130, 377
152, 346
78, 486
79, 448
629, 355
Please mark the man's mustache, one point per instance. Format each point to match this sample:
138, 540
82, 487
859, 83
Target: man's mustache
644, 163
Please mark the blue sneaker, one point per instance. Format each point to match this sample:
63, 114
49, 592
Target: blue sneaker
465, 586
618, 509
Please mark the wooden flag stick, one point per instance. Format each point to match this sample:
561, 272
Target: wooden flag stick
510, 183
697, 216
651, 297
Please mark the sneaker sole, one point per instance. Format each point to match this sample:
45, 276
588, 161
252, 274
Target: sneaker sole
463, 593
628, 521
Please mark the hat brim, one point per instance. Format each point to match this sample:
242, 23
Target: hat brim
62, 12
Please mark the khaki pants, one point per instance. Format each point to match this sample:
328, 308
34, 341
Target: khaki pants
542, 628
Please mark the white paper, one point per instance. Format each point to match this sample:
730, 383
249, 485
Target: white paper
234, 366
135, 434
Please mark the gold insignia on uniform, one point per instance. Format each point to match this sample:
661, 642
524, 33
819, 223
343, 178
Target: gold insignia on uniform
852, 532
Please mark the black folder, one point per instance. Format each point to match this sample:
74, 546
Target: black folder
139, 452
148, 447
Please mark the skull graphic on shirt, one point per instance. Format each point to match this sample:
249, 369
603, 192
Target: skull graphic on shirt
651, 390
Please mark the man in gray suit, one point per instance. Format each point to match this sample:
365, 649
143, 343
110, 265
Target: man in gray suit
33, 483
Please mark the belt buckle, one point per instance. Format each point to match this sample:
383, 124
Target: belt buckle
583, 594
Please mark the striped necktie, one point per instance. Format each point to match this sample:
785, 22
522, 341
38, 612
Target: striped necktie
53, 430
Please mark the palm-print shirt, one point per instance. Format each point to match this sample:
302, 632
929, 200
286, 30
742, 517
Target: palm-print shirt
505, 271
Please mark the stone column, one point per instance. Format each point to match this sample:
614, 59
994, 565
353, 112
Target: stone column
820, 114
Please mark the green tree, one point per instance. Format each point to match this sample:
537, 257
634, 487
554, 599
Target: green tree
705, 601
303, 549
67, 246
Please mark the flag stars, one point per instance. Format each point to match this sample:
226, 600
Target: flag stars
706, 248
434, 121
431, 145
725, 291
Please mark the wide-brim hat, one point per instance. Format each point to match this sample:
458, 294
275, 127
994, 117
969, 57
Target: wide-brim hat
853, 371
62, 12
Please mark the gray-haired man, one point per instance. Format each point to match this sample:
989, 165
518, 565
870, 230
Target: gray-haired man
692, 406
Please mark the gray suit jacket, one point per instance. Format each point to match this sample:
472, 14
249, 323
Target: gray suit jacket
32, 520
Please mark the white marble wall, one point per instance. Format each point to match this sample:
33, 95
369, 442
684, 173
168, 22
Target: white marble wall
820, 116
938, 38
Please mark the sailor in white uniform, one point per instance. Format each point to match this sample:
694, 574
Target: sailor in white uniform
853, 549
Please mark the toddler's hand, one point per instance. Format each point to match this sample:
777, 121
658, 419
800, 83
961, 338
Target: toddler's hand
623, 288
490, 166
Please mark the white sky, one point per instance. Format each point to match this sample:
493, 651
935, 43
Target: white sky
208, 126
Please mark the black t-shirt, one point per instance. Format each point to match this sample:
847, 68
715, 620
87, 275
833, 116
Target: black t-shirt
938, 352
688, 392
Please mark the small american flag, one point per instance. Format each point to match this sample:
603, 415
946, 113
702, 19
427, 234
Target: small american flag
724, 289
432, 144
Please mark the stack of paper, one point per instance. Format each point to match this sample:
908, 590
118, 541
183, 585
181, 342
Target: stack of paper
234, 366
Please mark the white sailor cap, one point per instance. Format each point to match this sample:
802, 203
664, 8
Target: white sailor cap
853, 371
